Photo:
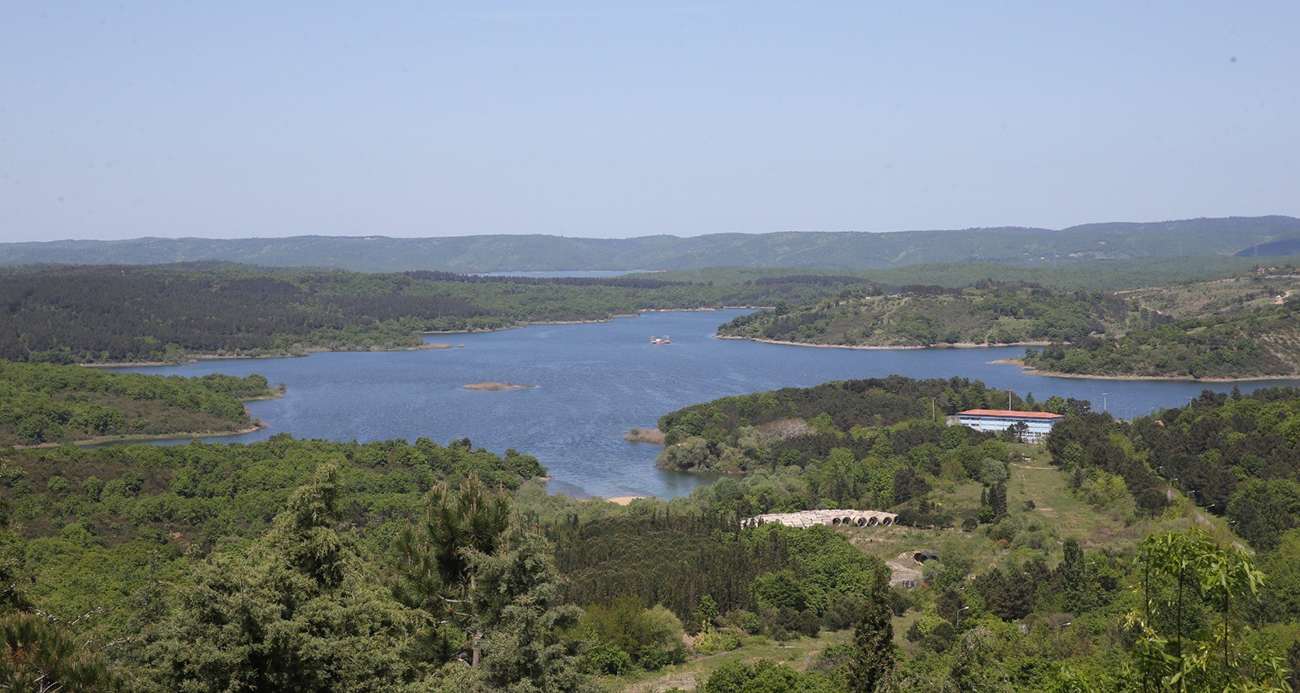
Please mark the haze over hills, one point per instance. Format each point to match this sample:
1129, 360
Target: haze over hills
830, 250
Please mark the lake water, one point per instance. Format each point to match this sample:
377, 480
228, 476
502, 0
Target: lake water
595, 381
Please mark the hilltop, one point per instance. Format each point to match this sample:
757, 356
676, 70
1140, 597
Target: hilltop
828, 250
925, 316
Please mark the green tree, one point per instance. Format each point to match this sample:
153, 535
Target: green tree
518, 603
1189, 567
298, 611
434, 567
873, 641
39, 656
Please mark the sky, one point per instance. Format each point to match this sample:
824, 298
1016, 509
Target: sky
618, 119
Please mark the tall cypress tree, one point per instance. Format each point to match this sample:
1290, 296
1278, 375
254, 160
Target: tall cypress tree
873, 641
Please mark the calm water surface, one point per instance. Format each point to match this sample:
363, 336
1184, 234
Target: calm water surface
597, 380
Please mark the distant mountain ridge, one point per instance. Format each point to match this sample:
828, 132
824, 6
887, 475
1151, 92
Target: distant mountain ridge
831, 250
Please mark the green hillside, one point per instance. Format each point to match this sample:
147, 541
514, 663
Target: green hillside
925, 316
838, 250
43, 403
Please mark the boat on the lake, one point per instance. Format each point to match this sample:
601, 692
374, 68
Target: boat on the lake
660, 340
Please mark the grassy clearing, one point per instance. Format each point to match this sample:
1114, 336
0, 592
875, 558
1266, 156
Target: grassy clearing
691, 676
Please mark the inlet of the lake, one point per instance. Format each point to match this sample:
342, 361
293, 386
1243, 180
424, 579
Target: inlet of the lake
595, 381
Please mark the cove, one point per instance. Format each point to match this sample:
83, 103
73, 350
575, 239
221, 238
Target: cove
595, 381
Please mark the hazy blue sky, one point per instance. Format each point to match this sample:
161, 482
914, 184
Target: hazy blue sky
614, 118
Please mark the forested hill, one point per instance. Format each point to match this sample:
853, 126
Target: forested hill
1240, 346
838, 250
48, 403
110, 314
924, 316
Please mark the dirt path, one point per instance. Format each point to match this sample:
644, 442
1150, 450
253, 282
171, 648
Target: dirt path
903, 569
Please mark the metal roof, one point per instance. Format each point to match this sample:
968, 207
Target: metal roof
1008, 414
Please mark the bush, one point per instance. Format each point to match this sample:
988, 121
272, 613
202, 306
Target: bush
607, 658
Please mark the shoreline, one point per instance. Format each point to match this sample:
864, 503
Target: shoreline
144, 438
954, 345
612, 318
308, 351
1030, 370
494, 386
195, 358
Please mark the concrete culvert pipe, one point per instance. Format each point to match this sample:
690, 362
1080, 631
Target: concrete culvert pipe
861, 521
887, 521
835, 522
871, 522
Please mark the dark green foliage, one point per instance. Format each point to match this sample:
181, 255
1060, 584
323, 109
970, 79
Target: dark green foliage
873, 641
47, 403
434, 563
518, 602
109, 314
299, 611
1098, 440
39, 656
793, 425
766, 677
669, 560
648, 638
1238, 454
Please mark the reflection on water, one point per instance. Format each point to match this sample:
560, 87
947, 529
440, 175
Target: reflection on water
596, 381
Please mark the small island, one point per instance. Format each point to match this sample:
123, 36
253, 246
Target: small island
645, 435
493, 386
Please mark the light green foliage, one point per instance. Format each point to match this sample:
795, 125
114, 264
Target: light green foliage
649, 638
828, 567
1172, 651
47, 403
766, 677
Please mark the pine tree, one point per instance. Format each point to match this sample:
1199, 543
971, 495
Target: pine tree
873, 641
37, 655
518, 602
297, 611
434, 570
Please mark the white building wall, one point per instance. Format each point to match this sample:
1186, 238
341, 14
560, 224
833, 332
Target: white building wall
1037, 431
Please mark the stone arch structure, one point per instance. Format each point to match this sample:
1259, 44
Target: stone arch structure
832, 518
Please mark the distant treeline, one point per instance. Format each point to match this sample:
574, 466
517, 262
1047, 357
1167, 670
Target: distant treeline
828, 250
110, 314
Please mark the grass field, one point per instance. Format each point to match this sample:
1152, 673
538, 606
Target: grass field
691, 676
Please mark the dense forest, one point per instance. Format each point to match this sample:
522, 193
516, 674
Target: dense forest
1091, 275
987, 313
114, 314
43, 403
295, 565
1236, 346
846, 250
